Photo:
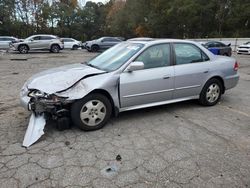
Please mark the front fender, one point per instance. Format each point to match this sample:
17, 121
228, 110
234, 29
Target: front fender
108, 83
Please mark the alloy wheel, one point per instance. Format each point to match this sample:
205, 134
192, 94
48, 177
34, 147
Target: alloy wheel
55, 49
213, 93
23, 49
93, 112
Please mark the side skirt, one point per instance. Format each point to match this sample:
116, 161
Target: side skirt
157, 103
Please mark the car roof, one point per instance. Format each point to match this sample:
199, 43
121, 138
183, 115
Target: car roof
158, 41
161, 41
42, 35
141, 39
7, 36
109, 37
213, 41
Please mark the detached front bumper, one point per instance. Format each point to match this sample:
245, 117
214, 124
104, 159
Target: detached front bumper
42, 108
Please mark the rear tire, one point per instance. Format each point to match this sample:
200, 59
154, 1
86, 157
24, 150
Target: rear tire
211, 92
55, 48
92, 112
23, 49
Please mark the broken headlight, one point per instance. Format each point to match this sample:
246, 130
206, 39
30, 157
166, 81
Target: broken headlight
37, 93
46, 97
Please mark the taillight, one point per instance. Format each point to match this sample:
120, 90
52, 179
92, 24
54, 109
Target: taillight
236, 66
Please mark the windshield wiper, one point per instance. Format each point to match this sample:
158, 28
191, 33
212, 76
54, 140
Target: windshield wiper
90, 65
93, 66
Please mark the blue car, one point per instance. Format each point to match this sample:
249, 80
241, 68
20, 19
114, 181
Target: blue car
218, 48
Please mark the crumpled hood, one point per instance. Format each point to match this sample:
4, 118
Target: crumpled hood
61, 78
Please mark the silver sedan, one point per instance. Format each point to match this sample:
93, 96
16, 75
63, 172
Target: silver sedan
130, 75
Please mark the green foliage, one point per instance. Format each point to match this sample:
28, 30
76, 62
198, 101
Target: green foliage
130, 18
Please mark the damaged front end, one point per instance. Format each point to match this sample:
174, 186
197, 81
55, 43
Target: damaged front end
50, 104
49, 95
44, 107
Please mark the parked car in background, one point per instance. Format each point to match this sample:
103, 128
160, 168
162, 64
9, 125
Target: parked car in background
141, 39
128, 76
39, 42
70, 43
218, 48
102, 43
244, 49
84, 44
6, 41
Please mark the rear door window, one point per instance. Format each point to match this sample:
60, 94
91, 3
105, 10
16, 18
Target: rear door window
188, 53
67, 40
46, 38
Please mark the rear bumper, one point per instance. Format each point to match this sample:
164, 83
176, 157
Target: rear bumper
61, 46
231, 81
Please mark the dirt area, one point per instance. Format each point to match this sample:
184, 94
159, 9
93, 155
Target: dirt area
177, 145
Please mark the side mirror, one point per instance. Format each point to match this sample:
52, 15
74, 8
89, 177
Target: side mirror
136, 65
31, 39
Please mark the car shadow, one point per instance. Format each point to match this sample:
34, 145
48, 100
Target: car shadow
138, 114
35, 52
141, 113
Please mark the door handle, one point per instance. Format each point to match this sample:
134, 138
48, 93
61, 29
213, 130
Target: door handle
206, 71
166, 77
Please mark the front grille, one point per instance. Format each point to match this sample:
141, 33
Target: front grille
243, 51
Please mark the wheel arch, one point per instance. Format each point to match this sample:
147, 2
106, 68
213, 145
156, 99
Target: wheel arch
23, 45
93, 45
54, 44
220, 79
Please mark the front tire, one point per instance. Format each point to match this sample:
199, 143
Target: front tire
211, 92
23, 49
95, 48
92, 112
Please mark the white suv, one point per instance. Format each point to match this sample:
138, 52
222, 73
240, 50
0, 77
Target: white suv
39, 42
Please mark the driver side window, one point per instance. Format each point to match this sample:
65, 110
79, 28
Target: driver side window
155, 56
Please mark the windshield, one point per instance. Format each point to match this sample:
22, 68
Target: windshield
116, 56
